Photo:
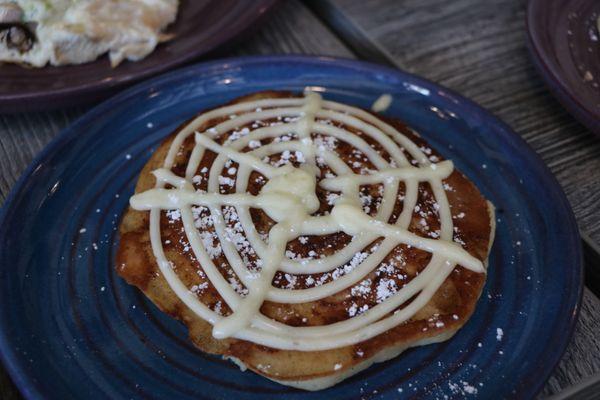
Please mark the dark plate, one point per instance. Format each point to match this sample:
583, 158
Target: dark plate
565, 44
70, 327
201, 26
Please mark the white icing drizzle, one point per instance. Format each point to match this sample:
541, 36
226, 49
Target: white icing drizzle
382, 103
289, 198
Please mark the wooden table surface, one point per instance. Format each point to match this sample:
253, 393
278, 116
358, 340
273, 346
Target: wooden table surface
474, 47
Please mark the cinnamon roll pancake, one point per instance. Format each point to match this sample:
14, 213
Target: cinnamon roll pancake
305, 239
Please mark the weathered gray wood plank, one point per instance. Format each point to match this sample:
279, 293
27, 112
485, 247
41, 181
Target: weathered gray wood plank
478, 49
293, 29
581, 357
22, 136
588, 389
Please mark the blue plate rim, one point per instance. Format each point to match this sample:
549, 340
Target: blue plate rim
27, 386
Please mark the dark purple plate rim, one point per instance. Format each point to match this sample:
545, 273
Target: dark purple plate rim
551, 74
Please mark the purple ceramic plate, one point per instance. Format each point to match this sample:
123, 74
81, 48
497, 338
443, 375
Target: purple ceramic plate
201, 26
565, 44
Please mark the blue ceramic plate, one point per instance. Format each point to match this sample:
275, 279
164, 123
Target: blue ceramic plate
71, 328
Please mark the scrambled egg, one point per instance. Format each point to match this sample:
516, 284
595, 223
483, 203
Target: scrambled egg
60, 32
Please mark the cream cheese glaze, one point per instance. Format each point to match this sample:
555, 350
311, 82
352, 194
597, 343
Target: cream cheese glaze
289, 198
382, 103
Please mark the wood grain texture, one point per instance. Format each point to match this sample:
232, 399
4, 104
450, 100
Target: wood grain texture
293, 29
22, 136
478, 49
588, 389
581, 359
